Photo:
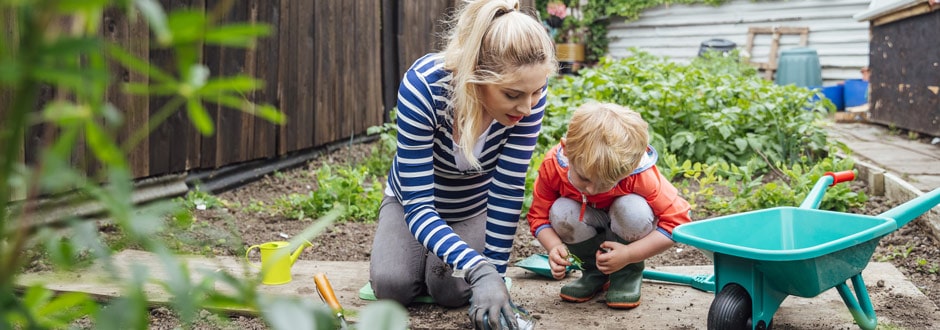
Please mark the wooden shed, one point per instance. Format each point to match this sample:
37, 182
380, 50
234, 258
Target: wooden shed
905, 64
678, 30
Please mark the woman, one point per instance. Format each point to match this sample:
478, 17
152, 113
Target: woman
468, 121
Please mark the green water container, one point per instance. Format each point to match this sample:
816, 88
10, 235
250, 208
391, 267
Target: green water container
799, 66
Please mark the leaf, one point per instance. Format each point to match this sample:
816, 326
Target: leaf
282, 313
152, 89
237, 35
239, 84
61, 251
65, 113
200, 117
271, 114
383, 314
197, 76
187, 26
156, 19
67, 307
133, 63
74, 78
69, 6
36, 296
66, 47
741, 144
103, 146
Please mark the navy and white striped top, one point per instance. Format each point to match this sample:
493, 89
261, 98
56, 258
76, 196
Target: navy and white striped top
425, 177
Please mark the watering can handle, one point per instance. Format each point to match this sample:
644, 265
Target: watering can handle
248, 252
843, 176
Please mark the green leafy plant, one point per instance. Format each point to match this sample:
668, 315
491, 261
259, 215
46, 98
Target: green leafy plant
701, 113
196, 199
359, 188
37, 51
897, 252
729, 140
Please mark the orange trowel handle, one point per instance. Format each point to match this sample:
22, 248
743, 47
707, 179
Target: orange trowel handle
326, 292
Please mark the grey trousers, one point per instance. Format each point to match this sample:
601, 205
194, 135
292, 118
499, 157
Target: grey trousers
630, 218
401, 268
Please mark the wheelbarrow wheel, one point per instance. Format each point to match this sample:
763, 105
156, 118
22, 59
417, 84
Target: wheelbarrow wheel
731, 309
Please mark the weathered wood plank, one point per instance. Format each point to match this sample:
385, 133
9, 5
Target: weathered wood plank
229, 144
286, 93
9, 32
174, 144
375, 108
134, 36
265, 67
325, 68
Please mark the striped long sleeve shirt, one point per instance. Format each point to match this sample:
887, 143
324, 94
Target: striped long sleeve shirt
425, 178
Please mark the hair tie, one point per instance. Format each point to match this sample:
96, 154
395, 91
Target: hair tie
503, 11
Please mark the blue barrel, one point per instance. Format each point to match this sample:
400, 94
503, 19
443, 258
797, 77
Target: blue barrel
856, 92
799, 66
835, 94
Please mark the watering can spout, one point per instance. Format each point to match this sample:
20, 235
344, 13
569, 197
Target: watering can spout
296, 254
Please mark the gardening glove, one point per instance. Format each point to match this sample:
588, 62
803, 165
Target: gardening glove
490, 300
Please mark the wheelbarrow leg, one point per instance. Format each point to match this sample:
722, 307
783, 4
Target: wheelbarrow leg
861, 309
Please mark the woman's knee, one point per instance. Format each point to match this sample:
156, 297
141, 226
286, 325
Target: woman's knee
631, 217
395, 287
450, 297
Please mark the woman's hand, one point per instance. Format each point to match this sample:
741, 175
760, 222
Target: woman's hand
617, 256
558, 260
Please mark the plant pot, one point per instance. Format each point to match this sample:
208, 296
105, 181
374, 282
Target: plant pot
569, 52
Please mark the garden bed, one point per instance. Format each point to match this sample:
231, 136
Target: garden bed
247, 212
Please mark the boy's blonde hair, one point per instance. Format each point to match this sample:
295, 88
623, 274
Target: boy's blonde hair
489, 41
606, 141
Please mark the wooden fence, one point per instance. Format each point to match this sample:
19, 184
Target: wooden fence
332, 66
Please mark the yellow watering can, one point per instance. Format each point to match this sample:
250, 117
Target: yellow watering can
276, 261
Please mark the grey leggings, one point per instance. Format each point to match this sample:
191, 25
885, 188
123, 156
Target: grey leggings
401, 268
630, 218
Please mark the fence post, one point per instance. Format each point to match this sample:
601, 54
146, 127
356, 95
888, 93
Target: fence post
6, 95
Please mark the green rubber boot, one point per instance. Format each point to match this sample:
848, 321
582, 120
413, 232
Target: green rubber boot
592, 280
624, 291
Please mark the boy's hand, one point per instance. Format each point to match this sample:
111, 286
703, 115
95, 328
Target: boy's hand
616, 257
558, 260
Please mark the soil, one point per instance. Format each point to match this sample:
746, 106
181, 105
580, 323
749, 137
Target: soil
910, 249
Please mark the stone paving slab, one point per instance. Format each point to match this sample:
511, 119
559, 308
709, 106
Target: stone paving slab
894, 166
664, 306
914, 161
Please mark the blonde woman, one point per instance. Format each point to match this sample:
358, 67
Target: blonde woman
468, 121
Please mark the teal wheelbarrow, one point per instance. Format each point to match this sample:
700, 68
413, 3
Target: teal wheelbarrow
762, 257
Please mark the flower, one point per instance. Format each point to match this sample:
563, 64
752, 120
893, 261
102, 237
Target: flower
565, 24
557, 9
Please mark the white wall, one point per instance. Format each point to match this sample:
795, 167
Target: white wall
677, 31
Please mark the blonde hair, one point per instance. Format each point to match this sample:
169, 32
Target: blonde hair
490, 40
606, 141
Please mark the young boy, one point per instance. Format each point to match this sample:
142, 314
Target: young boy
599, 196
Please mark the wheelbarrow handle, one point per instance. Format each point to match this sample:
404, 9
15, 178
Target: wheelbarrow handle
839, 177
904, 213
814, 198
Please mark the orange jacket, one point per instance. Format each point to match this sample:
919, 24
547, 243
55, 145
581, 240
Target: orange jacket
552, 183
